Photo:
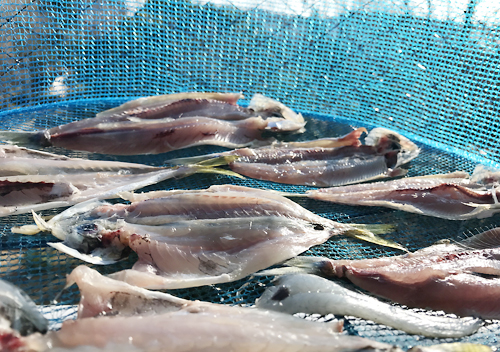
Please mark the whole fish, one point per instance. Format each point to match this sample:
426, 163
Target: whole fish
163, 123
34, 180
452, 196
304, 293
461, 278
115, 316
324, 162
19, 312
196, 237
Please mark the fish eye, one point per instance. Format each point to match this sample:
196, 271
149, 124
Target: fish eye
281, 294
88, 229
318, 227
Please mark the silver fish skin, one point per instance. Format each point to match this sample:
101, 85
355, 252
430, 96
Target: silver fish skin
452, 196
191, 238
116, 316
33, 180
461, 278
177, 124
310, 163
18, 311
304, 293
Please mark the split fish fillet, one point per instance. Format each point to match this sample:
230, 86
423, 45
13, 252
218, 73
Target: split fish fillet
324, 162
163, 123
453, 196
115, 316
196, 237
34, 180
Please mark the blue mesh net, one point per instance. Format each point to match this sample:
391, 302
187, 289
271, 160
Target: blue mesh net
428, 69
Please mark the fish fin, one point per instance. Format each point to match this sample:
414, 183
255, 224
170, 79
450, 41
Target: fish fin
484, 240
297, 265
26, 229
40, 222
218, 161
211, 170
26, 138
41, 225
97, 257
193, 159
376, 229
371, 236
210, 166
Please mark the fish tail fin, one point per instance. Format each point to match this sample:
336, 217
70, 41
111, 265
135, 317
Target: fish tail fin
211, 166
27, 139
370, 232
194, 159
41, 225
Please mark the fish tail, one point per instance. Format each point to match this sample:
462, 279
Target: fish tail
27, 139
193, 159
211, 166
370, 232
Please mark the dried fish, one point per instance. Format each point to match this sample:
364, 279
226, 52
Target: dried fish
19, 312
33, 180
324, 162
461, 278
196, 237
134, 319
303, 293
163, 123
452, 196
453, 347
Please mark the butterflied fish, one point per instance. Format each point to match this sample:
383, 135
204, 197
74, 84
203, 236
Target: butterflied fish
196, 237
33, 180
163, 123
19, 312
453, 196
461, 278
134, 319
303, 293
324, 162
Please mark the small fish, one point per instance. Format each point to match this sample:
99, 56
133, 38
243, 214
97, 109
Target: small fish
34, 180
452, 196
115, 316
324, 162
462, 278
196, 237
18, 311
160, 124
303, 293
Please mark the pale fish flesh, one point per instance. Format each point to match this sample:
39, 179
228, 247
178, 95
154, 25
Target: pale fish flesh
34, 180
324, 162
19, 312
304, 293
461, 278
160, 124
196, 237
134, 319
452, 196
